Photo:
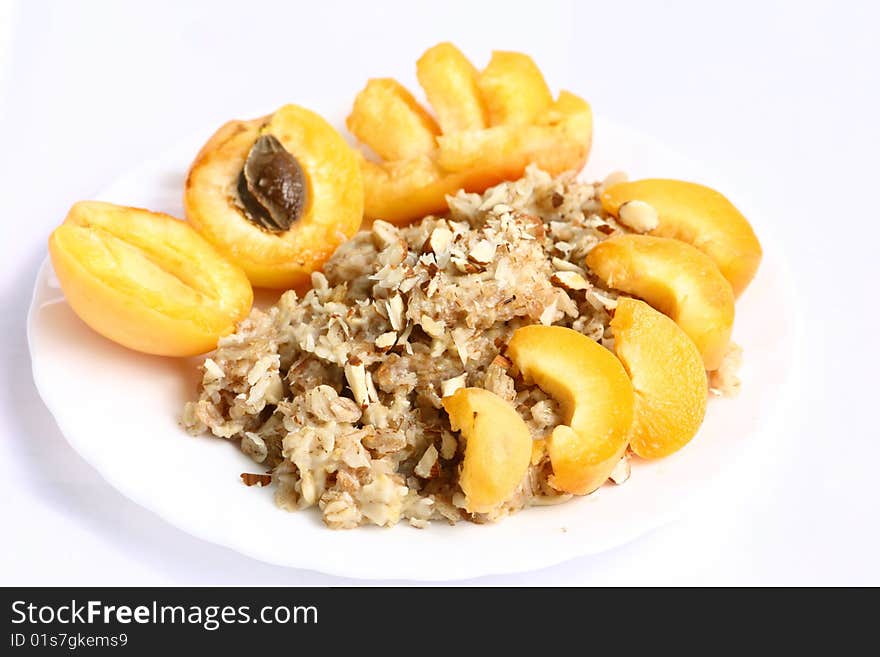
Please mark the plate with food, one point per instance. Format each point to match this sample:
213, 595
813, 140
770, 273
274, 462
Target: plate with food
435, 340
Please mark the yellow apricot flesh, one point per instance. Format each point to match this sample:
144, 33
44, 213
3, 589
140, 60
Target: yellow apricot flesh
391, 122
667, 375
678, 280
494, 124
498, 449
514, 89
451, 84
595, 396
402, 191
146, 280
699, 216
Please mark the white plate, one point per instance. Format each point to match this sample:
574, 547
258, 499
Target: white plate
119, 410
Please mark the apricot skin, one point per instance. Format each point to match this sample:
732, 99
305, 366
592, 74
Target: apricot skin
146, 280
675, 278
498, 450
595, 396
667, 374
699, 216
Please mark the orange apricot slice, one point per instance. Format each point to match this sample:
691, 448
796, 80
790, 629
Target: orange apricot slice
559, 141
391, 122
595, 396
678, 280
401, 191
667, 375
313, 201
699, 216
498, 449
451, 84
146, 280
514, 89
494, 124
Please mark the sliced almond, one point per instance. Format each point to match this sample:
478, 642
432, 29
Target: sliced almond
438, 240
384, 234
386, 340
501, 362
254, 446
212, 370
425, 467
465, 266
548, 315
570, 280
564, 265
638, 215
608, 303
372, 394
432, 327
483, 252
356, 375
449, 386
393, 254
395, 309
448, 445
432, 287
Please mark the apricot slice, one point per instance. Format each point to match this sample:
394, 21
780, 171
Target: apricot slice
404, 190
498, 449
559, 141
678, 280
146, 280
329, 212
697, 215
390, 121
401, 190
514, 89
667, 375
595, 396
495, 124
451, 84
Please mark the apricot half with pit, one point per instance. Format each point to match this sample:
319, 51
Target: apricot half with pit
594, 394
490, 126
498, 447
667, 375
276, 195
675, 278
147, 280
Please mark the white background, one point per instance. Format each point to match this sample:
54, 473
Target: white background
783, 98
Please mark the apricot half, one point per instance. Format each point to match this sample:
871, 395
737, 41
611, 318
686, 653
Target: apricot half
595, 396
493, 125
697, 215
498, 449
667, 375
305, 195
146, 280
